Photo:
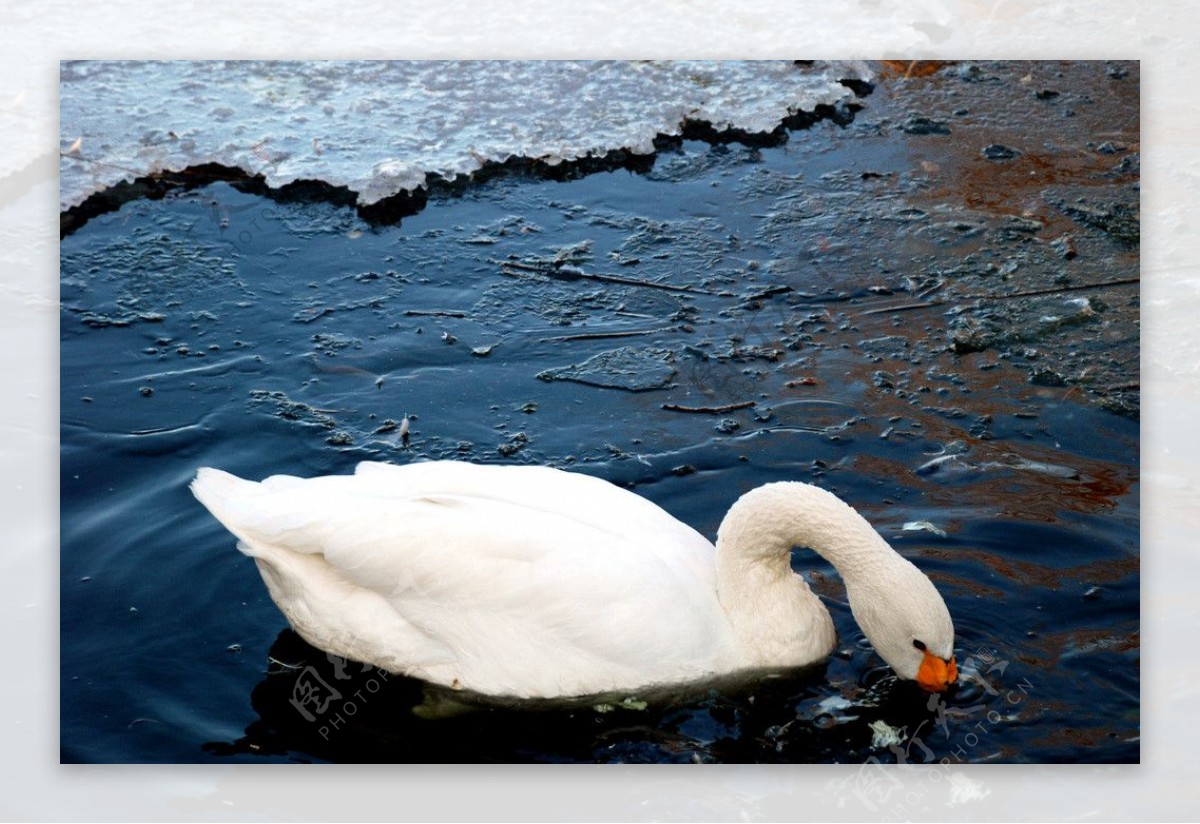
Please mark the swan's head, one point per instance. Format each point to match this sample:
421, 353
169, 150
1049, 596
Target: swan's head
905, 619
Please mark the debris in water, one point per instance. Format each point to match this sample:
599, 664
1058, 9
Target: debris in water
971, 335
937, 464
708, 410
1047, 377
291, 410
625, 333
883, 735
887, 345
1119, 220
629, 703
915, 526
1065, 246
1053, 470
635, 370
998, 152
434, 313
559, 272
831, 711
311, 313
574, 253
515, 444
919, 125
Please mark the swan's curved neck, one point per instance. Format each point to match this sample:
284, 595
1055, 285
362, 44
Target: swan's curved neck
755, 582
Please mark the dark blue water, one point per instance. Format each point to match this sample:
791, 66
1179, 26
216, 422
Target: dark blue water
218, 328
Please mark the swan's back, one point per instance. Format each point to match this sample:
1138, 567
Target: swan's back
523, 581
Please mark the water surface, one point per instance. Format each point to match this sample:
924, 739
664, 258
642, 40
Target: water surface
215, 327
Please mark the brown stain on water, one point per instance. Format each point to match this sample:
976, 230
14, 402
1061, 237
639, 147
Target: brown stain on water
1056, 134
1036, 573
912, 68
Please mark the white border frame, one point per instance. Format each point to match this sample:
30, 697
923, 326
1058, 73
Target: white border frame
34, 37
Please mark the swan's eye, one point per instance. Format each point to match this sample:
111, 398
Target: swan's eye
918, 645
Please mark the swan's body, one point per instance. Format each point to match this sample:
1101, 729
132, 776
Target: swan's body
533, 582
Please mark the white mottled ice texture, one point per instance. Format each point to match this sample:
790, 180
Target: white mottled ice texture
381, 128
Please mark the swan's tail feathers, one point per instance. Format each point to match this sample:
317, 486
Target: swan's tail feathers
260, 514
219, 492
215, 488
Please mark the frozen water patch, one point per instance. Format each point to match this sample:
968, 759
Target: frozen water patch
636, 370
383, 128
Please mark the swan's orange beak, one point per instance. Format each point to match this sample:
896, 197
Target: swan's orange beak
936, 674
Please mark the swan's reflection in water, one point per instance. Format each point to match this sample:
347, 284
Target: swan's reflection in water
313, 706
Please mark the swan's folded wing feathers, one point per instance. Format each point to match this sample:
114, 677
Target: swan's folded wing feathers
588, 499
561, 577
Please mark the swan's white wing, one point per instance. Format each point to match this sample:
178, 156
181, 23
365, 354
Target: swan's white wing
515, 580
589, 500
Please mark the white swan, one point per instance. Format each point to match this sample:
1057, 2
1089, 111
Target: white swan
533, 582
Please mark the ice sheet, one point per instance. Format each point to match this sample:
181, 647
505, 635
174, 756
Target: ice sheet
381, 128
